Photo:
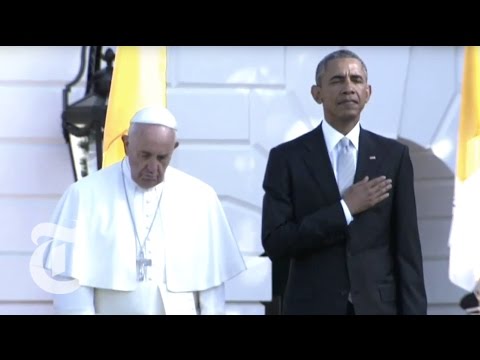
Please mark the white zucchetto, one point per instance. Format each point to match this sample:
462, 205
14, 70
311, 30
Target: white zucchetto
156, 115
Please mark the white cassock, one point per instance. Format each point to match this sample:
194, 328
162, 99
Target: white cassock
190, 245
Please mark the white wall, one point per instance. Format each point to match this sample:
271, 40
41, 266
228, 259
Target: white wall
35, 161
233, 104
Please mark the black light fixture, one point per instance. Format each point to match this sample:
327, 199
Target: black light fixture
83, 121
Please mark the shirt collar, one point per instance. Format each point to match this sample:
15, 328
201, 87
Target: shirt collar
332, 136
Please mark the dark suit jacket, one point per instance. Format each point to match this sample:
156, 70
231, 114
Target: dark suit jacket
377, 257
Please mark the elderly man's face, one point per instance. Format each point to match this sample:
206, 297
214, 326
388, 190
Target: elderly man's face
149, 149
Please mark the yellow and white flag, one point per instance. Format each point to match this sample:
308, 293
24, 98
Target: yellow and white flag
139, 79
464, 240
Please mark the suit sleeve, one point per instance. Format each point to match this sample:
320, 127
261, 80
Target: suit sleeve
409, 260
282, 235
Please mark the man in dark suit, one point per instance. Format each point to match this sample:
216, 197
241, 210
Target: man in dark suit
339, 203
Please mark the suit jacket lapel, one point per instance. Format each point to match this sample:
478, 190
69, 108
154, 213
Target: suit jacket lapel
369, 157
318, 163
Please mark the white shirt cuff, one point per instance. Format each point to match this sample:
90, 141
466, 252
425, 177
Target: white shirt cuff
346, 211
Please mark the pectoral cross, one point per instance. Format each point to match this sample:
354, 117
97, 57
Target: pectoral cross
141, 263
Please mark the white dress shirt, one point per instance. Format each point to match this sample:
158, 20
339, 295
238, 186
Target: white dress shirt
332, 139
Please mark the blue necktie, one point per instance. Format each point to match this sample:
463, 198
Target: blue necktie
345, 165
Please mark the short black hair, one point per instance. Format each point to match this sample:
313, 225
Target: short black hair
339, 54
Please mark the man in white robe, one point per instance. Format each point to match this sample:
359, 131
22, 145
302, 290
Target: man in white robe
148, 238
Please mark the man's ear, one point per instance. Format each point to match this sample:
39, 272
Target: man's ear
125, 142
316, 93
176, 145
369, 93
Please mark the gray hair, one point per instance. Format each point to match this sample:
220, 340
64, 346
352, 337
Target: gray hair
339, 54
